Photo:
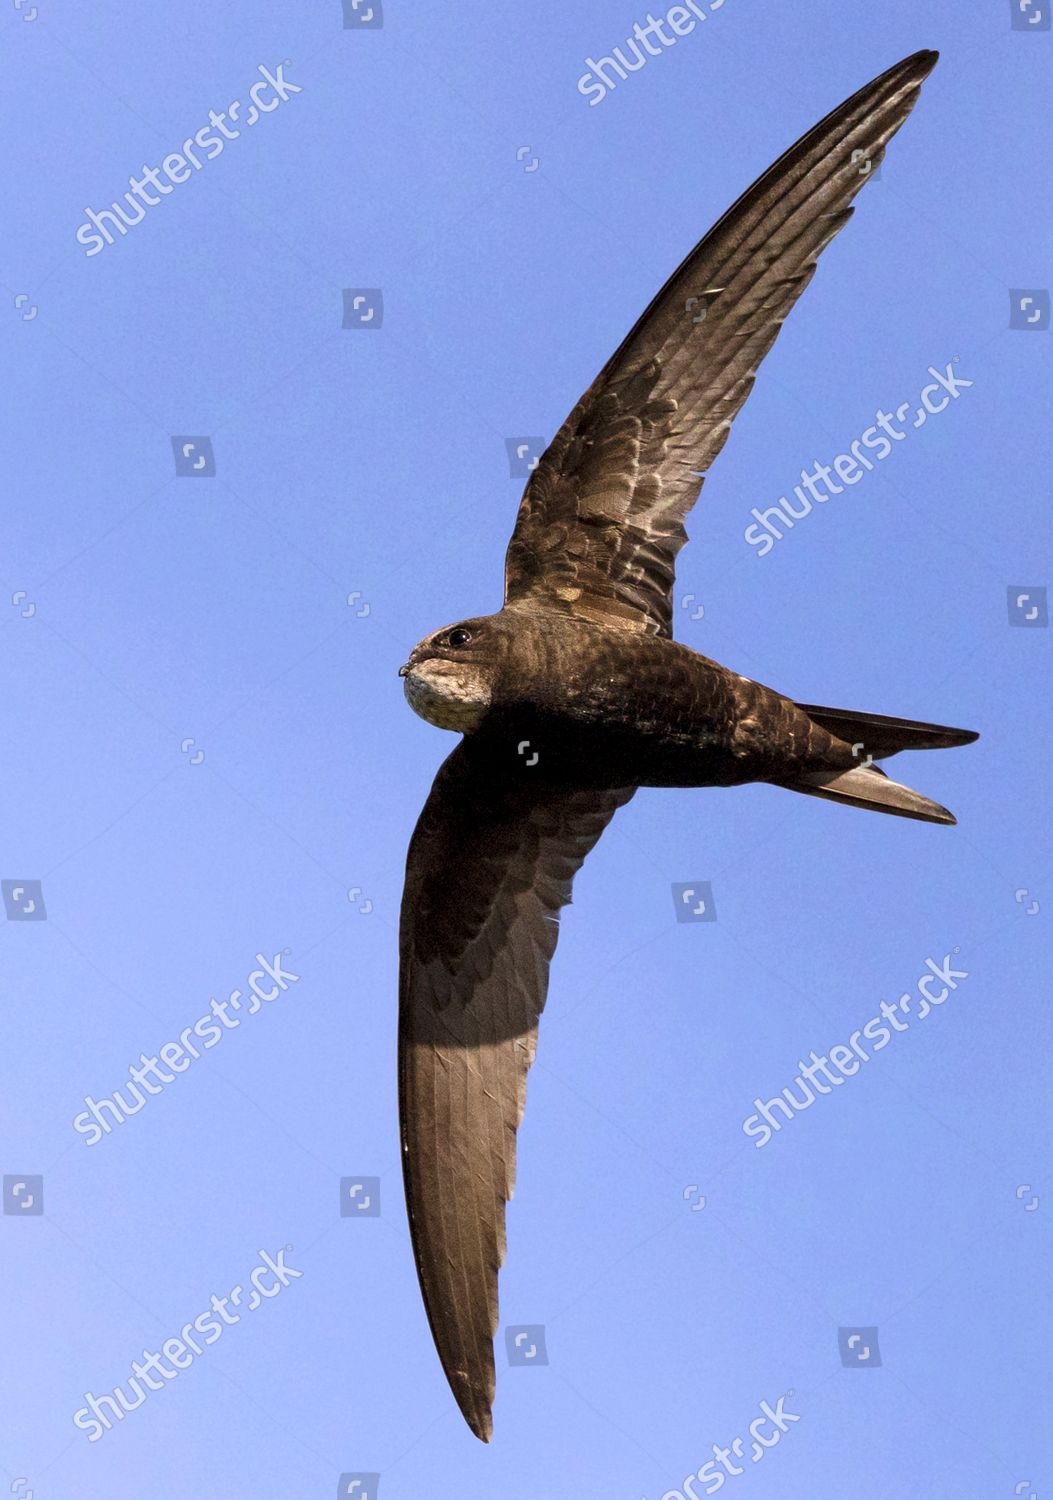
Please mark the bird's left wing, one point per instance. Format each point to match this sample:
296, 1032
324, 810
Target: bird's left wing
490, 865
601, 521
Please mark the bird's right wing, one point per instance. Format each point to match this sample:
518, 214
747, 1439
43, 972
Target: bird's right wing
490, 865
601, 521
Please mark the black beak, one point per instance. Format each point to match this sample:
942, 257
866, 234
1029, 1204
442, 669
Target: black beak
404, 669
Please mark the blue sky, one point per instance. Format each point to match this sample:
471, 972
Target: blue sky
208, 749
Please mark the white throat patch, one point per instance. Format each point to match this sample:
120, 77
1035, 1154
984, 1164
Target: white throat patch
449, 694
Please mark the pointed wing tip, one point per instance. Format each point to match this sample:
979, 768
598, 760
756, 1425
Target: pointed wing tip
904, 78
917, 66
474, 1406
483, 1426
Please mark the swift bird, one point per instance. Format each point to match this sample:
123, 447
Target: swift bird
575, 694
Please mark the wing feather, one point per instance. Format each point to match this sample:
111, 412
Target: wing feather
601, 522
490, 865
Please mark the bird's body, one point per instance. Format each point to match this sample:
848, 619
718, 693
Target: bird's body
575, 694
597, 706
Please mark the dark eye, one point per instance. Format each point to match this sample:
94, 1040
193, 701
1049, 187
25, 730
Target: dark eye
459, 637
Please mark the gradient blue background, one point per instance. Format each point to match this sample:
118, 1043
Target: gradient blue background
168, 609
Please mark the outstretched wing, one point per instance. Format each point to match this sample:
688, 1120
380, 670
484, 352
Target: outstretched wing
601, 521
490, 864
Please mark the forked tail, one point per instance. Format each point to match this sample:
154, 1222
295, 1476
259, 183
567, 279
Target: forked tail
870, 787
880, 736
872, 737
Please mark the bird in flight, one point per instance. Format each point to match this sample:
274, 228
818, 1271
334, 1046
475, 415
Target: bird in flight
575, 693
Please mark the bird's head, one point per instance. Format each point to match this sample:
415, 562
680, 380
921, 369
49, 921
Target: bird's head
449, 677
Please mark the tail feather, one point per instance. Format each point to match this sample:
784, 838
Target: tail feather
868, 786
879, 736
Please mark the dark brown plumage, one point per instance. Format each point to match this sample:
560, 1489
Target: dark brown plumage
575, 694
